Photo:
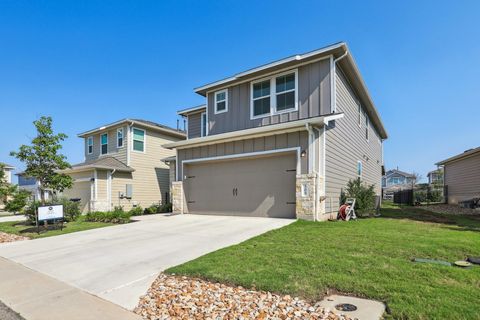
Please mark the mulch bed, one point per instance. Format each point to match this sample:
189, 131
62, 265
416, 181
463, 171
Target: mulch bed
8, 237
450, 209
176, 297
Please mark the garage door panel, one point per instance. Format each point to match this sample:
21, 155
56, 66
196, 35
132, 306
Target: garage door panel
248, 187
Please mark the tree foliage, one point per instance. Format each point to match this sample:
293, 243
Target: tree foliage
43, 159
363, 193
18, 202
6, 189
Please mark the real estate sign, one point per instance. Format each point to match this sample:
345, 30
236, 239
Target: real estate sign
50, 212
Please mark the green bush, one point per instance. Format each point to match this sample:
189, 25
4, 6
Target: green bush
18, 202
152, 209
71, 209
108, 217
136, 211
167, 207
363, 193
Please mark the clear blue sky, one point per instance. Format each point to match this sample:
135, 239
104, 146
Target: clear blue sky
87, 63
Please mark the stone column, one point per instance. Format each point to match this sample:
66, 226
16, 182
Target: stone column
177, 197
306, 189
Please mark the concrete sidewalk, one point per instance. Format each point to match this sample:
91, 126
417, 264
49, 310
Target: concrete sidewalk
36, 296
12, 218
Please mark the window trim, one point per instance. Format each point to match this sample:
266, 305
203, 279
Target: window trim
203, 123
273, 94
359, 166
103, 144
144, 140
360, 114
367, 127
123, 138
215, 100
88, 145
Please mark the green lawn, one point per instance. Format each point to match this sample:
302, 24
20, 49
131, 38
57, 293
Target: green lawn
366, 258
30, 231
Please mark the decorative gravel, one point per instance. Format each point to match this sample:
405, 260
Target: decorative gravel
450, 209
8, 237
175, 297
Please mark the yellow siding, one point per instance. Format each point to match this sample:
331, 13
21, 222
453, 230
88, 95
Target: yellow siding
113, 151
463, 178
119, 182
80, 189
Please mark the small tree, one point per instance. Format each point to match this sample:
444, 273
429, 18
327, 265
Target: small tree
43, 160
6, 189
363, 193
18, 202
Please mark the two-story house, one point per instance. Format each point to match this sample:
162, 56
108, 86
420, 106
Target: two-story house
123, 166
7, 171
435, 178
395, 180
33, 186
280, 140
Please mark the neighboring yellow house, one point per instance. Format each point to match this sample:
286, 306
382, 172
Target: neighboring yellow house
123, 166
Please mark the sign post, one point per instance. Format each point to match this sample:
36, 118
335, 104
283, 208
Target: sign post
52, 212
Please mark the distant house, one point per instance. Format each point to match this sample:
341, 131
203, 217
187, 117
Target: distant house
123, 166
31, 185
435, 177
8, 169
395, 180
462, 176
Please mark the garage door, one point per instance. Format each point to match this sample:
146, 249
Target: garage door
262, 186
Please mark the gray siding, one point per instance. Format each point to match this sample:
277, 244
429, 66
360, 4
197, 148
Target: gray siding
313, 100
194, 125
346, 144
463, 178
280, 141
113, 151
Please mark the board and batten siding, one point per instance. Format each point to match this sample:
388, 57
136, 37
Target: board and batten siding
463, 178
273, 142
346, 144
112, 150
151, 181
194, 124
313, 100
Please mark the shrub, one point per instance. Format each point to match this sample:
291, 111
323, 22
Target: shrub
167, 207
136, 211
108, 217
71, 209
31, 212
18, 202
152, 209
363, 193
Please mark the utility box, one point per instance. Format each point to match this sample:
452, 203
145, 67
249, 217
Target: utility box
129, 191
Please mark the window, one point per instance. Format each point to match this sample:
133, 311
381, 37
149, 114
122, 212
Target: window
90, 145
261, 98
204, 124
395, 180
285, 95
138, 140
367, 125
221, 101
119, 137
359, 168
275, 95
359, 115
104, 143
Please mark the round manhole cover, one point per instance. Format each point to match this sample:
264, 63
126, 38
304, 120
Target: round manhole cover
346, 307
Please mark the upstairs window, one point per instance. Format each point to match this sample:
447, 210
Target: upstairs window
359, 168
221, 101
274, 95
367, 126
138, 140
104, 143
285, 92
119, 137
261, 98
90, 145
359, 115
204, 124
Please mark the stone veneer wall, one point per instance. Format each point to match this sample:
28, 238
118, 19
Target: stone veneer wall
177, 196
306, 202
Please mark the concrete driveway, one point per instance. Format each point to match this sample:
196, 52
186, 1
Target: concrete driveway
119, 263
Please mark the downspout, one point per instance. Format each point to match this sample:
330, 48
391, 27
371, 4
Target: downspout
311, 154
333, 92
110, 189
322, 170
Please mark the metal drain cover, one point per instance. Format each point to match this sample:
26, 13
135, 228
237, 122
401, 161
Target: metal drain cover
346, 307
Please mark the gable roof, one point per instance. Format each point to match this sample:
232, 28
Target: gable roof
108, 163
186, 111
7, 166
466, 153
152, 125
402, 173
348, 66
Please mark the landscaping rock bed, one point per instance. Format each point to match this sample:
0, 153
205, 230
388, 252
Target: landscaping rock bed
175, 297
450, 209
7, 237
